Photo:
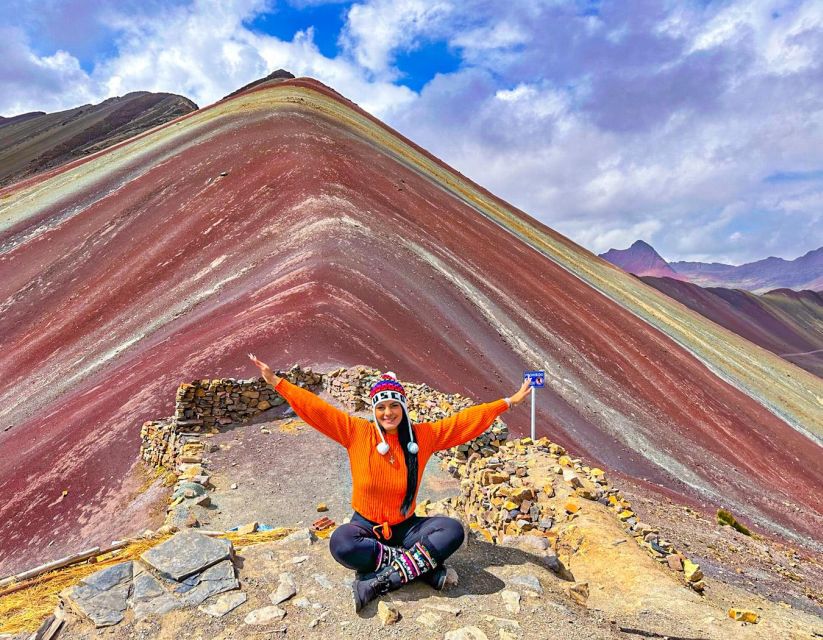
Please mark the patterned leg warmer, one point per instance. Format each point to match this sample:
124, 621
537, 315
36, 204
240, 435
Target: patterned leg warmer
414, 562
386, 555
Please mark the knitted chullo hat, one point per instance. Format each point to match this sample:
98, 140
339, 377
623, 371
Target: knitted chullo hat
388, 387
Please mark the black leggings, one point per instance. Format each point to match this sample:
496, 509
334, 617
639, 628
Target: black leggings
355, 545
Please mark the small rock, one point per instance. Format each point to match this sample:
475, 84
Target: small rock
233, 485
429, 619
285, 590
299, 559
266, 615
571, 477
512, 600
579, 592
322, 507
507, 635
552, 562
466, 633
323, 580
303, 602
301, 537
675, 562
202, 501
387, 613
222, 604
318, 619
743, 615
529, 582
452, 579
503, 622
571, 507
247, 528
692, 571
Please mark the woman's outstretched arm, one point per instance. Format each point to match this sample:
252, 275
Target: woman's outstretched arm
316, 412
469, 423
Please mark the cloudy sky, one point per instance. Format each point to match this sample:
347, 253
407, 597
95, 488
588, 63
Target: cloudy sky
696, 126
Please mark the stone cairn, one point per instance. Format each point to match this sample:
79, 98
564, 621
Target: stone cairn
512, 494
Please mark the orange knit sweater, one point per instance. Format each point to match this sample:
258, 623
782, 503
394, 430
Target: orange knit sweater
378, 485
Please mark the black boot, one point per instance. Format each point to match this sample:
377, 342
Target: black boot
375, 585
436, 578
410, 564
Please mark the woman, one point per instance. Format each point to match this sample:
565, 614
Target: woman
385, 543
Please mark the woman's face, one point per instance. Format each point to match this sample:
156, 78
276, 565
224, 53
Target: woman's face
389, 413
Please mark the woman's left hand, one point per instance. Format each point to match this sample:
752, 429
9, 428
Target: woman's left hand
521, 394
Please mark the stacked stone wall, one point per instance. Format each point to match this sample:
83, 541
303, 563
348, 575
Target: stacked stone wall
529, 488
206, 406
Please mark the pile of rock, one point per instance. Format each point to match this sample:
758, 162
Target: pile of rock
511, 493
179, 444
351, 386
157, 440
205, 404
183, 571
498, 496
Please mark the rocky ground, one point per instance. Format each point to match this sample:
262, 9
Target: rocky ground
277, 472
780, 572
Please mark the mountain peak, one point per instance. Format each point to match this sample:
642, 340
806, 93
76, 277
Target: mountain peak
274, 76
640, 259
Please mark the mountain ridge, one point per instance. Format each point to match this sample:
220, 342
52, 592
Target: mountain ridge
37, 142
760, 276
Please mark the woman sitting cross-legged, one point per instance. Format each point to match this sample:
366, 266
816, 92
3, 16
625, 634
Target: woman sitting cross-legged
385, 543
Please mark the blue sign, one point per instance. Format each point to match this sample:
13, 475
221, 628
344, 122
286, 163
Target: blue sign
535, 378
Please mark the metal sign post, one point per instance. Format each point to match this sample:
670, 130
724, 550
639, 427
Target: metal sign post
536, 379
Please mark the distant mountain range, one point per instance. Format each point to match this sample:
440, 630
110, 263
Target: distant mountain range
31, 143
783, 321
805, 272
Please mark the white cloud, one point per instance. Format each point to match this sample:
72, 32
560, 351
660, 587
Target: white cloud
375, 30
203, 50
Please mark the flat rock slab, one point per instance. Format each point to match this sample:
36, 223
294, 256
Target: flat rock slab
102, 596
148, 596
213, 580
109, 577
224, 603
187, 553
528, 582
266, 615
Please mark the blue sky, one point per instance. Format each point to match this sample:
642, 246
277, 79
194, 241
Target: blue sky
696, 126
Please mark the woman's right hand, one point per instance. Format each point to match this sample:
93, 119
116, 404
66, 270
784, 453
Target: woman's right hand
265, 370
